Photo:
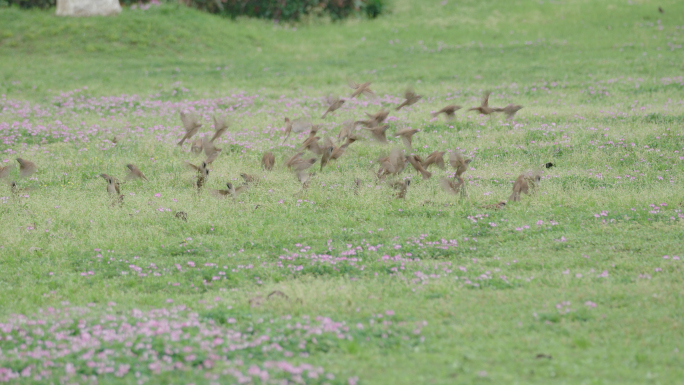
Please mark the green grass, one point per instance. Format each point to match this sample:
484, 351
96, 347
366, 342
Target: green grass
576, 271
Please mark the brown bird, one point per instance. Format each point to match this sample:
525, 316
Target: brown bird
296, 126
436, 158
357, 186
449, 111
418, 167
304, 164
394, 164
339, 151
197, 146
327, 153
134, 173
457, 161
519, 186
378, 133
314, 130
346, 129
268, 161
191, 124
5, 171
16, 190
451, 186
26, 168
360, 89
660, 9
232, 191
410, 97
402, 186
375, 119
118, 139
304, 178
509, 110
495, 206
114, 191
107, 177
406, 134
202, 173
220, 127
484, 108
294, 159
334, 103
311, 144
250, 178
209, 148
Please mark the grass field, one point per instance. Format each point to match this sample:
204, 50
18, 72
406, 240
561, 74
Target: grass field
579, 283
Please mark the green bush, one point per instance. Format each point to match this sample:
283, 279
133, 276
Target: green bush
267, 9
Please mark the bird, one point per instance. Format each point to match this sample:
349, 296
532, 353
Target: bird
135, 173
304, 178
436, 158
250, 178
209, 149
495, 206
519, 186
327, 153
418, 167
334, 103
5, 171
394, 164
361, 89
375, 119
196, 147
106, 177
231, 190
406, 134
296, 126
294, 159
660, 9
378, 133
449, 111
191, 124
357, 186
202, 173
118, 138
339, 151
16, 190
548, 165
402, 186
457, 161
268, 161
304, 164
182, 215
509, 110
484, 108
26, 168
346, 129
311, 144
410, 98
220, 127
114, 191
314, 130
453, 186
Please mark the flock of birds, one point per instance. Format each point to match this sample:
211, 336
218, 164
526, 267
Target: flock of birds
391, 165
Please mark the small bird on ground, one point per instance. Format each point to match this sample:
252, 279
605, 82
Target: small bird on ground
406, 135
5, 171
16, 190
449, 111
361, 89
436, 158
114, 191
357, 186
484, 108
402, 186
191, 124
495, 206
334, 103
304, 178
410, 97
250, 178
202, 174
135, 173
509, 110
26, 168
220, 127
327, 152
453, 186
268, 161
548, 165
660, 9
